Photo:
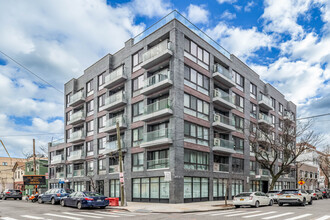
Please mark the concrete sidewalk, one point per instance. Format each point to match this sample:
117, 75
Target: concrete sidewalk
175, 208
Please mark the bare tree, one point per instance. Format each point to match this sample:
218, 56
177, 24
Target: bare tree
92, 181
270, 148
324, 161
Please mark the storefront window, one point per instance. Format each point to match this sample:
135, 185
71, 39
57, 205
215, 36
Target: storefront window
153, 189
196, 189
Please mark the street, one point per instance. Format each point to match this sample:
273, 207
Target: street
12, 210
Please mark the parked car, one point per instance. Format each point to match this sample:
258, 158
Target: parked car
85, 200
294, 196
273, 195
316, 194
254, 199
11, 194
54, 195
325, 192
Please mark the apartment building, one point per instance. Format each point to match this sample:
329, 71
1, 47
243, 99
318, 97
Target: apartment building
183, 105
6, 172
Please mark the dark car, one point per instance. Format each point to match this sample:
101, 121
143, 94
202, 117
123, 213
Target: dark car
325, 192
11, 194
85, 200
54, 195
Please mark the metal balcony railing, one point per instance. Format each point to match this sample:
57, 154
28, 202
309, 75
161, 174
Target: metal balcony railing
158, 77
57, 159
76, 155
77, 96
156, 135
157, 106
77, 173
218, 93
224, 119
223, 71
218, 142
265, 99
264, 117
157, 49
115, 74
117, 97
158, 163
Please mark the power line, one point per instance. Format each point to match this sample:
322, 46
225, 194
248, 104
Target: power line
21, 65
315, 116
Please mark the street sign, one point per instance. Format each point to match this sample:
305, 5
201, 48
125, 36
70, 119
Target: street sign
34, 180
47, 176
121, 179
301, 182
167, 176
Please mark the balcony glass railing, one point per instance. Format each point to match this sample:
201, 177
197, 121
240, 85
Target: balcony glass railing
114, 168
80, 172
264, 99
264, 117
77, 96
223, 71
218, 142
60, 175
57, 159
157, 106
158, 163
224, 119
76, 155
158, 77
77, 115
115, 74
112, 121
77, 135
156, 135
113, 146
221, 167
119, 96
218, 93
157, 49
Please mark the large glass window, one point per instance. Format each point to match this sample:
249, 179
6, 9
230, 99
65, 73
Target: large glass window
239, 79
196, 107
89, 87
273, 102
101, 142
90, 107
196, 80
102, 166
253, 167
253, 112
137, 136
253, 91
101, 100
196, 189
196, 160
154, 189
220, 163
198, 52
236, 187
220, 189
158, 159
138, 83
138, 160
239, 123
137, 58
114, 188
196, 134
137, 111
237, 165
280, 110
238, 144
239, 102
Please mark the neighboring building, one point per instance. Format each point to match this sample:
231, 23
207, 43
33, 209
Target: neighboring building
41, 169
6, 172
18, 173
183, 105
323, 180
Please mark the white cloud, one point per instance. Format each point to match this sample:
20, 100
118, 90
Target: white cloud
226, 1
249, 6
197, 14
151, 8
228, 15
241, 42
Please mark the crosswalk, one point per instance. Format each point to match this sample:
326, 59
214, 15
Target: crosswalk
77, 215
265, 215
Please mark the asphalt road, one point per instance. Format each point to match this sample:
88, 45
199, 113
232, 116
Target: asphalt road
22, 210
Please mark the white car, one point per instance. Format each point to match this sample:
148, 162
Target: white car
273, 195
254, 199
294, 196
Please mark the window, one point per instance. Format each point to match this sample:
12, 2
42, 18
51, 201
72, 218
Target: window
137, 111
253, 167
137, 58
100, 79
196, 107
90, 167
114, 188
68, 133
280, 124
113, 165
101, 142
102, 121
253, 112
219, 188
196, 189
273, 102
238, 144
68, 99
90, 148
239, 102
237, 165
138, 161
101, 100
154, 189
4, 163
90, 107
239, 80
89, 87
239, 123
138, 83
196, 134
196, 80
102, 166
196, 51
273, 119
157, 159
221, 163
253, 91
69, 169
90, 127
280, 108
68, 116
236, 187
196, 160
137, 136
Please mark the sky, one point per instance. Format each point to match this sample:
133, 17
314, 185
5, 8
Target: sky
287, 42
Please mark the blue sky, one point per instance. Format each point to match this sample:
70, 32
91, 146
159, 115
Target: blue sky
285, 41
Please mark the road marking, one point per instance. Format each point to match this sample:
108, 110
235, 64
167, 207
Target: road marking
106, 215
31, 217
213, 212
298, 217
244, 213
8, 218
226, 213
82, 215
280, 215
117, 213
324, 217
251, 216
62, 216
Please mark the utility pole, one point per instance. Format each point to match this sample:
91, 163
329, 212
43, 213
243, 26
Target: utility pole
122, 201
34, 160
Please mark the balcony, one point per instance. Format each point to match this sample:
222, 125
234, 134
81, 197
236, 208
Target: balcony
76, 155
111, 147
115, 77
223, 99
265, 155
57, 159
223, 75
77, 117
77, 98
220, 167
158, 164
264, 119
157, 138
111, 125
265, 102
79, 173
157, 54
59, 175
157, 110
262, 138
288, 116
77, 136
222, 145
157, 82
114, 101
114, 169
223, 122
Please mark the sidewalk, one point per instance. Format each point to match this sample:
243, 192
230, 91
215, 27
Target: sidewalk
176, 208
